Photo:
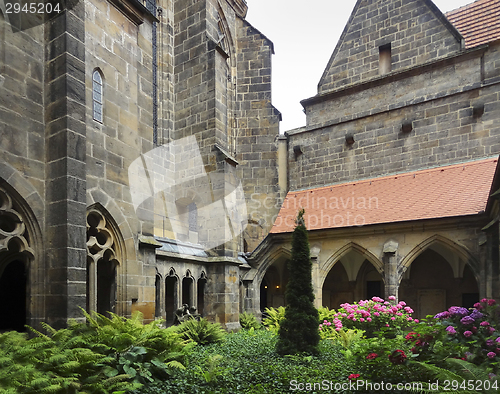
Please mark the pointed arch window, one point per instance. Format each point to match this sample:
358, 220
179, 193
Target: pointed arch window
97, 96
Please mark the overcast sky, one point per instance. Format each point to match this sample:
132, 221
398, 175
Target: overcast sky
304, 34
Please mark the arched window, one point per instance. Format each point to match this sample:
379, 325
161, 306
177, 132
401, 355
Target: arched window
97, 96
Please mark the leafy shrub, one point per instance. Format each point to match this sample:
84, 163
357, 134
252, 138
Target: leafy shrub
248, 320
201, 331
343, 337
102, 356
273, 319
461, 333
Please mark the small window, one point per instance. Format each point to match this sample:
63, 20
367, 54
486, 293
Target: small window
97, 98
385, 62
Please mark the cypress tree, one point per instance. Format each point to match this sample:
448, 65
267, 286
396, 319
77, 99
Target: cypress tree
298, 331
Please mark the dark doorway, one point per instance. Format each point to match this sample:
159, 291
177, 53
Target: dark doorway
170, 298
201, 296
373, 289
157, 296
469, 299
187, 291
13, 296
106, 287
263, 295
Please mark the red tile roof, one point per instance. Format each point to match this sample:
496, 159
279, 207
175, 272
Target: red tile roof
478, 22
451, 191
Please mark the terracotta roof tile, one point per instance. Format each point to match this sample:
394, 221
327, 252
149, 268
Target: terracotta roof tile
478, 22
451, 191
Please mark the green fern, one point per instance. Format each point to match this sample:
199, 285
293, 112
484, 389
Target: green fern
201, 331
248, 321
273, 319
462, 372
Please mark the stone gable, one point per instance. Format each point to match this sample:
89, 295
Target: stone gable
415, 31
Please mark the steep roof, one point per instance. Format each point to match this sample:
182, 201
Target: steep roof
478, 22
443, 192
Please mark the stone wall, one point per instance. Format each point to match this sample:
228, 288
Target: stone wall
121, 50
258, 129
450, 105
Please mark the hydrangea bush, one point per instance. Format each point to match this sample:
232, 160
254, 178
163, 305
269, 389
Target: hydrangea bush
370, 316
472, 333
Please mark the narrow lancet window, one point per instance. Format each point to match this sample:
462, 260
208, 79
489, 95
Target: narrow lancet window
97, 98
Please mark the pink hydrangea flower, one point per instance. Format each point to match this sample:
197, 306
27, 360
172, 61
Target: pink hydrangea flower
467, 333
392, 298
491, 354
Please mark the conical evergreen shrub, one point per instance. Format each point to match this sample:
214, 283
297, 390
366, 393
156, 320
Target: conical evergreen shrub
298, 332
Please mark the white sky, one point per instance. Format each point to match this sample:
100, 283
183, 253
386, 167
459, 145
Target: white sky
304, 34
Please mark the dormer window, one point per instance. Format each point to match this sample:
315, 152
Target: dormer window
385, 62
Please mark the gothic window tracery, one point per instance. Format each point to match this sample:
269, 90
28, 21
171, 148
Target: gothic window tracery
102, 262
13, 235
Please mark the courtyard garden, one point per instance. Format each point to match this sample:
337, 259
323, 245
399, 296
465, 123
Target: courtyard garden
368, 346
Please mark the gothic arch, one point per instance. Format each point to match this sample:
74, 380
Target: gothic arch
463, 253
337, 256
269, 261
21, 256
105, 257
99, 198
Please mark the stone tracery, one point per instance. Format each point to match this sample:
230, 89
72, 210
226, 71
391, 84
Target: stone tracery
14, 237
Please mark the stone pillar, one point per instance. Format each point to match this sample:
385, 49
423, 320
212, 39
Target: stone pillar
65, 136
391, 269
147, 289
222, 293
283, 165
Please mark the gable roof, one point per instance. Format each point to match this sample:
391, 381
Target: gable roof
442, 192
478, 22
354, 33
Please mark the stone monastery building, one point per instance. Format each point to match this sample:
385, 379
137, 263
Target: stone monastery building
142, 166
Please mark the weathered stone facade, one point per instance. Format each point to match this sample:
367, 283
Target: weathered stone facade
92, 91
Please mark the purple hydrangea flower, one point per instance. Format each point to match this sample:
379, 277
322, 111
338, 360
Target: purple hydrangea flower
497, 340
442, 315
491, 355
458, 310
467, 334
490, 342
467, 320
451, 330
476, 315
